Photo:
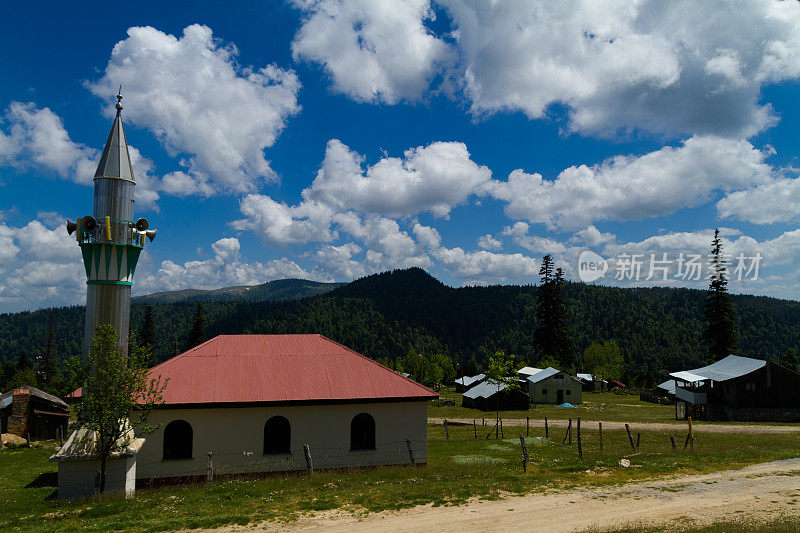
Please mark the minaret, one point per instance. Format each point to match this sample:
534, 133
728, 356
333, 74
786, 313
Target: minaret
110, 240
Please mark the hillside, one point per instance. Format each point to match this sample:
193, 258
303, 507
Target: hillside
271, 291
386, 315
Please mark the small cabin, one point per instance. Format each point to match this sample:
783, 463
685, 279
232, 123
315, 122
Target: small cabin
554, 386
32, 413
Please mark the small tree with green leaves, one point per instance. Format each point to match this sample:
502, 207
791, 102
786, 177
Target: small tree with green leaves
603, 360
501, 372
117, 397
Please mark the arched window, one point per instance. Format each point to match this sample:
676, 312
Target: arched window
362, 432
277, 436
178, 440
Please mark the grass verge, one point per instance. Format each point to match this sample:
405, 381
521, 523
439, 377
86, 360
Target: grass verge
458, 469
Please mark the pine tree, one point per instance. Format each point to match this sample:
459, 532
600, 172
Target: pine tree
551, 338
719, 314
197, 335
23, 363
48, 370
147, 333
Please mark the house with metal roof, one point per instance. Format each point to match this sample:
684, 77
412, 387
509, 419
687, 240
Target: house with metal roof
527, 371
554, 386
490, 395
590, 382
32, 413
252, 403
466, 382
738, 388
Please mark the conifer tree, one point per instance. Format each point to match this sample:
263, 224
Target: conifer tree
197, 335
551, 338
49, 373
147, 334
719, 314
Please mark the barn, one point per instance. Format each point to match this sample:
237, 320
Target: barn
490, 395
553, 386
31, 413
255, 402
467, 382
739, 388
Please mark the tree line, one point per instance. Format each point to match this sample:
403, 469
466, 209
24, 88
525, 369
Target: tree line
411, 322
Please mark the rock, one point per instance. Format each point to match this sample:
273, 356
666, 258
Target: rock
12, 440
625, 463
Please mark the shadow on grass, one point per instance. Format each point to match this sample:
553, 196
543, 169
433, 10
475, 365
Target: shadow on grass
48, 479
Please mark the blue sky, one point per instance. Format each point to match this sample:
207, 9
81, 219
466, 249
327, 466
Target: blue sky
328, 140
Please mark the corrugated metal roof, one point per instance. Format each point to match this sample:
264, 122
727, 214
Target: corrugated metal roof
529, 370
469, 380
668, 386
544, 374
731, 367
278, 368
33, 391
487, 389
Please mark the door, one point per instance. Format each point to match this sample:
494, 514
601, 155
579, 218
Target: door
559, 396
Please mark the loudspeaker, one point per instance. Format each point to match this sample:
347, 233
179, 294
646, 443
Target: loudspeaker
71, 227
89, 223
151, 234
141, 225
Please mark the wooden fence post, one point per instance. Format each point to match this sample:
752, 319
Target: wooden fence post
546, 431
210, 468
446, 432
691, 434
600, 429
524, 453
527, 426
638, 439
502, 435
410, 452
672, 440
568, 433
630, 437
580, 449
475, 428
309, 463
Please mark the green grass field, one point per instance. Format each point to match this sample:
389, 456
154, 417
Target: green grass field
458, 469
596, 406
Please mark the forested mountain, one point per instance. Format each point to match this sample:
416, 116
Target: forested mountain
388, 315
271, 291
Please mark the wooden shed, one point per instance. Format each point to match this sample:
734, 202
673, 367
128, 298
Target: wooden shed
32, 413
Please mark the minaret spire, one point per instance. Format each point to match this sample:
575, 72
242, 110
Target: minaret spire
116, 161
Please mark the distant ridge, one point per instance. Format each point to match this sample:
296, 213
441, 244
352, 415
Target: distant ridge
408, 314
272, 291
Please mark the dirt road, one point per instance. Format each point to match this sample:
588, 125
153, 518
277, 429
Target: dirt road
655, 426
760, 492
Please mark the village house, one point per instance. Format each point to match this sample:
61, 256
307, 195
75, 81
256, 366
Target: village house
738, 388
490, 395
255, 401
465, 383
31, 413
553, 386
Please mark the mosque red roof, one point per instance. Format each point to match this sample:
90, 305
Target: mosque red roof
280, 368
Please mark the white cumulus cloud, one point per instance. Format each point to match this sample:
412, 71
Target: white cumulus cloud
192, 94
633, 188
373, 51
432, 178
